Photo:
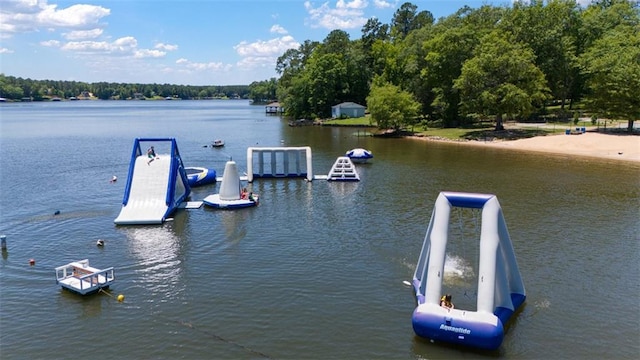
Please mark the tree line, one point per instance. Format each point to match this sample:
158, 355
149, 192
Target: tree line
15, 88
490, 63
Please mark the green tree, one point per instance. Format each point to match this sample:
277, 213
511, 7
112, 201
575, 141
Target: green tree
605, 15
501, 79
385, 61
289, 65
451, 43
359, 74
402, 21
374, 30
334, 72
327, 81
391, 107
406, 19
295, 101
336, 42
612, 68
8, 89
552, 32
263, 91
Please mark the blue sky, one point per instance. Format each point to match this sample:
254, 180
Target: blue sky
186, 42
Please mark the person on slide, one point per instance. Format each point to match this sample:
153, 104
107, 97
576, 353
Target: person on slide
151, 153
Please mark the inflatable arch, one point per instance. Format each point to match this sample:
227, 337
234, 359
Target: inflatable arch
500, 288
279, 162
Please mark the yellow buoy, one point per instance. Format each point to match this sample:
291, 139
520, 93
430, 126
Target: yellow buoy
120, 298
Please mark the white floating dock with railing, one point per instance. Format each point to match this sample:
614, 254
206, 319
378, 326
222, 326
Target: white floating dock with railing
83, 279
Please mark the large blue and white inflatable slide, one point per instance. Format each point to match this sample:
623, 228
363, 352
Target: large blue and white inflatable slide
500, 288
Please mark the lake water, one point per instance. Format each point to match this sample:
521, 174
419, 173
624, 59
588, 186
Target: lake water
315, 271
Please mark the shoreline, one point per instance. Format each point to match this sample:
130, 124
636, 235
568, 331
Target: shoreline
625, 148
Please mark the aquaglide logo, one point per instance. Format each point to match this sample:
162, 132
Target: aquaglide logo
459, 330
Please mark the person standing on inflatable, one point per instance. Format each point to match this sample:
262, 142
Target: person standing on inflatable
151, 153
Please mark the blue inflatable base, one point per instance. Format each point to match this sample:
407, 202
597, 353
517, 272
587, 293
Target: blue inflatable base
475, 334
456, 331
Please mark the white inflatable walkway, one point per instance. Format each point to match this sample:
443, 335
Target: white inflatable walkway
147, 198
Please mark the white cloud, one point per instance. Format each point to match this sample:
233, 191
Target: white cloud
354, 4
83, 34
22, 6
277, 29
50, 43
125, 45
79, 16
167, 47
263, 54
273, 47
19, 16
346, 14
253, 62
195, 66
257, 54
381, 4
148, 53
5, 51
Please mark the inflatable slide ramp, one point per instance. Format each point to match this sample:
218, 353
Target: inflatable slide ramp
156, 186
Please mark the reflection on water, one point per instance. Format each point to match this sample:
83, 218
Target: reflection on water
159, 262
341, 190
234, 223
86, 307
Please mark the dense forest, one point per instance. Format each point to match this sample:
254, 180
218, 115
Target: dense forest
490, 63
13, 88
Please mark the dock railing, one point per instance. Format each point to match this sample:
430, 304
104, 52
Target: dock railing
88, 278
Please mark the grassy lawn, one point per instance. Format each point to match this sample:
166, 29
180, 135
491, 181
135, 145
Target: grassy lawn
361, 121
485, 131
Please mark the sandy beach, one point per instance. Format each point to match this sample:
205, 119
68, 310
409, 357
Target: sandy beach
605, 146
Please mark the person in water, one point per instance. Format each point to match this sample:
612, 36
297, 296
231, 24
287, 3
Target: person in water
151, 153
445, 301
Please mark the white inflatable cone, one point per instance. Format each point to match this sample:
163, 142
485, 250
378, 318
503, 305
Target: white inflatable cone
230, 185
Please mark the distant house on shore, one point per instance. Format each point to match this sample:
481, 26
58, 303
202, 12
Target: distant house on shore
347, 109
85, 95
274, 108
